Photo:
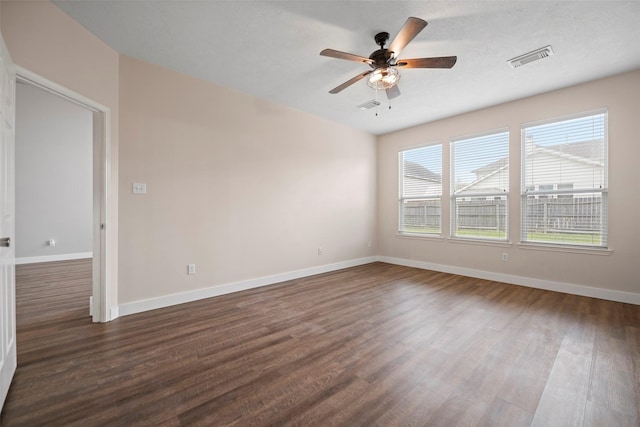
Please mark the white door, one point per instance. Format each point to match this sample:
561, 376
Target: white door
8, 360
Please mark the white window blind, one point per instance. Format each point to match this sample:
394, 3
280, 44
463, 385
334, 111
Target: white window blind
420, 190
480, 186
564, 181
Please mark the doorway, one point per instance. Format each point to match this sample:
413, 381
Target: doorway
53, 208
99, 306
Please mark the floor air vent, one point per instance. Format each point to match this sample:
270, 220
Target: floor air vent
537, 54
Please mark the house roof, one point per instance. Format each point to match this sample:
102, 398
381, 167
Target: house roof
590, 150
491, 167
416, 170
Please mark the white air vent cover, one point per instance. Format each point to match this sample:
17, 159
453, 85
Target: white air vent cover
537, 54
369, 105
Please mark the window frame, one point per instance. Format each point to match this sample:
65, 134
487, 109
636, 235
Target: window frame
562, 193
401, 191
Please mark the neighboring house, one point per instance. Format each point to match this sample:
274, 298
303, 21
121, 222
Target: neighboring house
420, 181
571, 166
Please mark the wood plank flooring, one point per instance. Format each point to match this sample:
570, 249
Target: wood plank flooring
375, 345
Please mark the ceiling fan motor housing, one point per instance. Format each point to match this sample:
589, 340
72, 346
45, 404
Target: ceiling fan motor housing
381, 56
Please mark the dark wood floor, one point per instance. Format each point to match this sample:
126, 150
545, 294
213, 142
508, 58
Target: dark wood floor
372, 345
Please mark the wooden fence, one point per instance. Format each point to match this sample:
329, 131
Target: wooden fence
561, 214
564, 214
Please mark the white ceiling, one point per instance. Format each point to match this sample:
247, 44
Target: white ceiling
271, 49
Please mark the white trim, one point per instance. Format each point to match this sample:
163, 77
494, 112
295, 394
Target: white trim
433, 237
59, 90
480, 242
213, 291
587, 250
587, 291
50, 258
198, 294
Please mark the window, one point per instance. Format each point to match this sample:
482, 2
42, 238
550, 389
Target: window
420, 190
480, 186
564, 181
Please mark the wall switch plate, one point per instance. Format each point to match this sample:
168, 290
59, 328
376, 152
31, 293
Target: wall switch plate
139, 188
191, 269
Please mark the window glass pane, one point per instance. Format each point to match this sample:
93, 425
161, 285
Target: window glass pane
565, 218
480, 185
565, 181
481, 217
420, 189
568, 152
420, 216
481, 164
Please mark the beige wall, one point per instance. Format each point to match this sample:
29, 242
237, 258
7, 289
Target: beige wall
46, 41
618, 271
241, 187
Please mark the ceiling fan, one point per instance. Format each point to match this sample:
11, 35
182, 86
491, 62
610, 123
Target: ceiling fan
384, 62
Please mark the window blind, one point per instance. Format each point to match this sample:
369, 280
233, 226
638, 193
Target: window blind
420, 190
480, 186
564, 181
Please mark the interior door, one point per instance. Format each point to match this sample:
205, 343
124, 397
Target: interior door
8, 359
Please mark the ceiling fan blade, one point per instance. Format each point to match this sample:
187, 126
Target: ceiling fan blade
439, 62
331, 53
393, 92
350, 82
409, 30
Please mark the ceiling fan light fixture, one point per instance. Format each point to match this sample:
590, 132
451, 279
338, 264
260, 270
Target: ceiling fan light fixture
383, 78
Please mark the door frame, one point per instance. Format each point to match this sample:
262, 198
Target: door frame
101, 304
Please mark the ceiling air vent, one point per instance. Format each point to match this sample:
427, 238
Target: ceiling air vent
369, 105
537, 54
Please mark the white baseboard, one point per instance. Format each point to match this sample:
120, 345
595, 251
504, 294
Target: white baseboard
50, 258
183, 297
587, 291
189, 296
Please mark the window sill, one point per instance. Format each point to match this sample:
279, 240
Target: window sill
565, 249
499, 244
433, 237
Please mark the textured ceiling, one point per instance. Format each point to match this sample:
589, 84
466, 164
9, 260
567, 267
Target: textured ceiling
271, 49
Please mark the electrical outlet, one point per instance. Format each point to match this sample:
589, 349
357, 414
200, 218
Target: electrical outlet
191, 269
505, 256
51, 242
320, 250
369, 244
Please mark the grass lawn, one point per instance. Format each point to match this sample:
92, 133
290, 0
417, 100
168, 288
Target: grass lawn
421, 230
567, 238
